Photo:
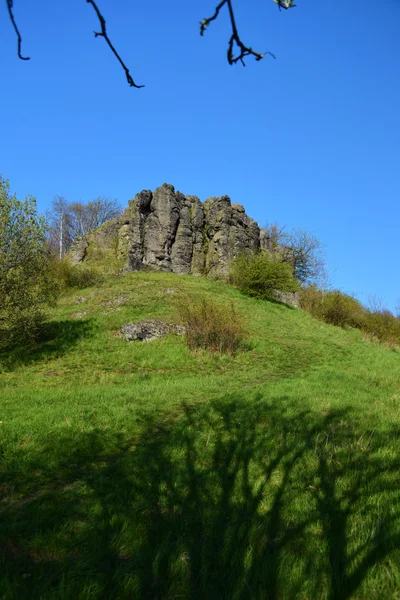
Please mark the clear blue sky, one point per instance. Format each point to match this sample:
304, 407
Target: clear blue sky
311, 139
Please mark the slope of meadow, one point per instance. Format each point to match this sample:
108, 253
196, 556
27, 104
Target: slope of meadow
132, 470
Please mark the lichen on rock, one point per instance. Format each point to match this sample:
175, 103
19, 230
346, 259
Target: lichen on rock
147, 331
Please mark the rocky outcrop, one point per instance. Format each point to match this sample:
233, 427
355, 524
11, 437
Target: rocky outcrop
147, 331
77, 253
167, 231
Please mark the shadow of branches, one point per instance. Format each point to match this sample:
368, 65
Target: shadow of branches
236, 498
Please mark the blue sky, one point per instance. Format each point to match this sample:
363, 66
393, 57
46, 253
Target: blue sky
311, 139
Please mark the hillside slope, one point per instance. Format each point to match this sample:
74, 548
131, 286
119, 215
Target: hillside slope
132, 470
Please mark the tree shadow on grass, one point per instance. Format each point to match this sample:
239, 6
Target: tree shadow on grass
237, 498
56, 338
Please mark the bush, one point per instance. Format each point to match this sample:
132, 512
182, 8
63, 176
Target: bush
210, 326
340, 309
74, 276
311, 297
383, 325
25, 285
261, 275
333, 307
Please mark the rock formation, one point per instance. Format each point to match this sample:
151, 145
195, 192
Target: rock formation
168, 231
147, 331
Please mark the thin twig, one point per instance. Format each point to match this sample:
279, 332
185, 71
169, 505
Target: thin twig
103, 33
235, 38
12, 19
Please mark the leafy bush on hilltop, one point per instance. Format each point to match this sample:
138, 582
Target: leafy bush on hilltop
333, 307
261, 275
383, 325
340, 309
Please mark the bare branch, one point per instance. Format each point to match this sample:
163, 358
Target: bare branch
103, 33
284, 4
235, 38
12, 19
237, 50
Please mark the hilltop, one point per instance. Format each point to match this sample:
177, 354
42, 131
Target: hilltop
167, 231
143, 470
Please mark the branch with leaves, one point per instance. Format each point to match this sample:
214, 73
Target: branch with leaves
237, 50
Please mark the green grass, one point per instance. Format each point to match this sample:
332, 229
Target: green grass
145, 471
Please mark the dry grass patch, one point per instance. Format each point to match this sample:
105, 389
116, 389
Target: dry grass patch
210, 326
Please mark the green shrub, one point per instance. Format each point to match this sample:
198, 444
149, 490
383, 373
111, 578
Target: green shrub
25, 285
210, 326
311, 297
74, 276
340, 309
382, 325
261, 275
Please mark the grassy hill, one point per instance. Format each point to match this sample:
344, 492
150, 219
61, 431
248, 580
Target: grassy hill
141, 470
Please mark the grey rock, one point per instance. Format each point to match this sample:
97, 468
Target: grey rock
117, 301
77, 253
160, 228
182, 241
138, 209
229, 231
147, 331
197, 227
82, 314
167, 231
291, 298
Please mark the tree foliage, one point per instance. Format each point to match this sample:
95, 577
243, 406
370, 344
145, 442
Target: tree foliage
25, 283
306, 251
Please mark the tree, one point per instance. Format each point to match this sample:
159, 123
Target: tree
59, 227
25, 284
237, 50
88, 217
306, 251
67, 221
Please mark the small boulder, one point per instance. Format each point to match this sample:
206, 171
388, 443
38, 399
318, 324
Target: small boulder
147, 331
291, 298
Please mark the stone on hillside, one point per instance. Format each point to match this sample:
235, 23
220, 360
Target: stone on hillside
167, 231
160, 227
229, 231
77, 253
291, 298
138, 209
182, 242
197, 227
116, 301
147, 331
